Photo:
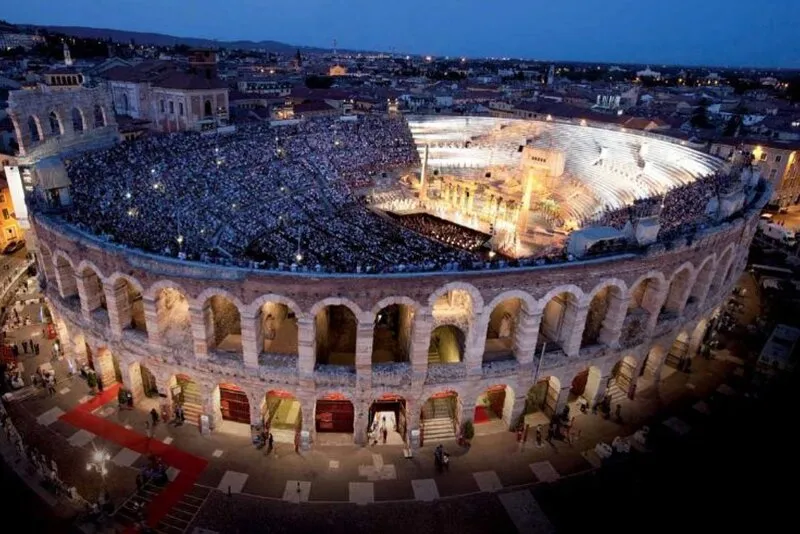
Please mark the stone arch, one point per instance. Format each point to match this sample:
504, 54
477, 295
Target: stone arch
35, 128
476, 299
447, 345
645, 297
440, 415
501, 322
208, 109
222, 319
230, 403
254, 307
276, 324
99, 116
335, 331
587, 385
624, 375
173, 318
142, 382
282, 414
559, 309
723, 269
65, 275
651, 368
703, 280
55, 123
128, 301
392, 329
679, 286
91, 288
334, 412
78, 121
387, 418
48, 267
187, 393
605, 306
495, 403
542, 397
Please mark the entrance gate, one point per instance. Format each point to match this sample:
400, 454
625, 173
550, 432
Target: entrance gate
335, 415
233, 404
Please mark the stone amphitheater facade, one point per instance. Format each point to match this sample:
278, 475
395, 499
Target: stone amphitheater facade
591, 315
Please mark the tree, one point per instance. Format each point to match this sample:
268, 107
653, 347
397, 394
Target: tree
732, 127
700, 116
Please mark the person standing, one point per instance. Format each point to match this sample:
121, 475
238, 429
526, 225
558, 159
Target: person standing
270, 443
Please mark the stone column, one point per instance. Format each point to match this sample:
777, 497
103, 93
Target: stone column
517, 410
525, 337
364, 334
563, 397
360, 422
202, 335
467, 413
250, 340
614, 320
306, 347
602, 388
254, 400
151, 320
119, 307
476, 345
307, 407
653, 301
132, 380
420, 342
572, 328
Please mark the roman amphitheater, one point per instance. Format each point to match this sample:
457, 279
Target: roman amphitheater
318, 334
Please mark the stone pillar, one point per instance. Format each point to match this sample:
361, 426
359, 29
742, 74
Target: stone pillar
476, 345
202, 335
602, 388
525, 337
307, 407
67, 282
151, 320
306, 347
364, 339
254, 399
360, 422
420, 342
132, 380
653, 302
467, 413
119, 307
517, 410
563, 397
614, 320
90, 296
250, 340
572, 327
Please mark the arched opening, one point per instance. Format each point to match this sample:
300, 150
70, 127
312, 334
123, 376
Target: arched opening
106, 365
440, 415
130, 306
67, 283
232, 403
94, 296
597, 313
391, 340
125, 104
77, 120
644, 302
493, 410
542, 401
501, 331
334, 415
143, 386
678, 287
55, 124
455, 306
722, 272
678, 351
387, 420
702, 283
700, 338
650, 372
174, 321
36, 133
223, 318
623, 377
100, 116
336, 329
186, 393
552, 330
207, 109
447, 345
277, 329
282, 416
48, 269
584, 389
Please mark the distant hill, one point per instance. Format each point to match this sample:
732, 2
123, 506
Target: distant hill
159, 39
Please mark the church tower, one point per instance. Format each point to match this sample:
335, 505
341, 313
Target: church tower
67, 55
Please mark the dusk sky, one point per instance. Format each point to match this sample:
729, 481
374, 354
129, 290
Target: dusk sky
720, 32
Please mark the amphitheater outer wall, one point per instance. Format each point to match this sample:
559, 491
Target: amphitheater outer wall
691, 279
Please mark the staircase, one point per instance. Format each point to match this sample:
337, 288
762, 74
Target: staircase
437, 424
192, 402
283, 435
617, 394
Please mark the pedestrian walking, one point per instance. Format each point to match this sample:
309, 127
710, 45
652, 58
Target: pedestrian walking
385, 434
154, 416
270, 443
539, 436
99, 384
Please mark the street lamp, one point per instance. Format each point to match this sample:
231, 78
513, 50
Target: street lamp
98, 463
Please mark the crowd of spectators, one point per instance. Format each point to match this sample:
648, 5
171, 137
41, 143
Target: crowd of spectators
444, 231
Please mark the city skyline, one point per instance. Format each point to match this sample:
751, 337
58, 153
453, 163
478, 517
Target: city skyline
714, 33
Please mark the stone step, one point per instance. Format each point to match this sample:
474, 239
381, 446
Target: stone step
283, 435
438, 429
192, 412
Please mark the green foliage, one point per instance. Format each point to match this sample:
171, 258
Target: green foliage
91, 380
469, 430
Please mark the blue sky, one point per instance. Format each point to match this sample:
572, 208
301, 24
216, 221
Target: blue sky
720, 32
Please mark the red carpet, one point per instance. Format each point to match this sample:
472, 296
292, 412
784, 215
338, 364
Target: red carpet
481, 415
190, 466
